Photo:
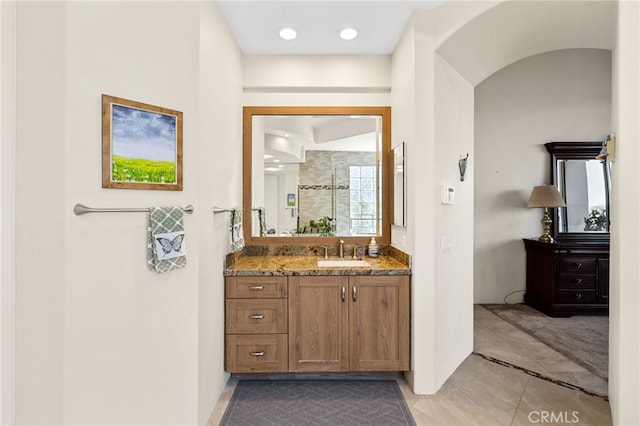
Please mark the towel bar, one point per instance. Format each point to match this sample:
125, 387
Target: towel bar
217, 210
80, 209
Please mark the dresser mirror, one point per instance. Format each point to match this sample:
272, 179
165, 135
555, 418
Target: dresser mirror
584, 183
316, 174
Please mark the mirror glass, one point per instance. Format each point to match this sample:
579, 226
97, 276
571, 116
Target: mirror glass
584, 185
399, 186
316, 172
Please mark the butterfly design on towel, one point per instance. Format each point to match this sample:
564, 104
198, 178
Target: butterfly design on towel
169, 245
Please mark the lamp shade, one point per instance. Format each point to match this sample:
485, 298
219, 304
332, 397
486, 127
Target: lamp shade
545, 196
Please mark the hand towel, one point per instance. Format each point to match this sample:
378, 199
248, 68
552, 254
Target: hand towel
262, 222
166, 248
236, 238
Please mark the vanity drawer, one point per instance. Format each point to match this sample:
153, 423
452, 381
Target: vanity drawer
576, 265
256, 287
577, 296
576, 281
260, 353
244, 316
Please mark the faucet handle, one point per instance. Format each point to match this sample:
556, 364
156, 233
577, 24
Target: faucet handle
326, 255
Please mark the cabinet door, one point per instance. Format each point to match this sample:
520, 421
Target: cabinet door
379, 323
318, 323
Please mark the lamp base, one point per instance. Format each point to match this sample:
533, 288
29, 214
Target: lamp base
546, 227
545, 238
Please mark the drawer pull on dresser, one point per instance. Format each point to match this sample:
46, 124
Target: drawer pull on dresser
256, 316
578, 296
256, 287
256, 353
578, 280
577, 265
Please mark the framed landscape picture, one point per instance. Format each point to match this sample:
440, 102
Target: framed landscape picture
141, 145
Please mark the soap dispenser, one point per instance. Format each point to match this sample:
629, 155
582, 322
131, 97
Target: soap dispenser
373, 248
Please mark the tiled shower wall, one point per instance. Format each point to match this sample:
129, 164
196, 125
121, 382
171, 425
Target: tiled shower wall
323, 186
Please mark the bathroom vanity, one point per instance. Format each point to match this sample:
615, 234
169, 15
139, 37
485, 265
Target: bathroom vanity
287, 314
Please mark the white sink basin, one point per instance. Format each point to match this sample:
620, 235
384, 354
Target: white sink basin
342, 262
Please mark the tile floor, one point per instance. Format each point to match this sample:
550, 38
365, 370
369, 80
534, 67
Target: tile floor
484, 392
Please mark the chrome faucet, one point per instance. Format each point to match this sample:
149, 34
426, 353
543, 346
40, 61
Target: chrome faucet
341, 249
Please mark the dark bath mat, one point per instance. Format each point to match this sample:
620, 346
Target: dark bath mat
317, 402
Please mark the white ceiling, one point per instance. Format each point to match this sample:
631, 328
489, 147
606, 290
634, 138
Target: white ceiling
380, 23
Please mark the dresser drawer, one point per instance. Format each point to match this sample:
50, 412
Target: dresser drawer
244, 316
266, 353
577, 281
576, 296
576, 265
256, 287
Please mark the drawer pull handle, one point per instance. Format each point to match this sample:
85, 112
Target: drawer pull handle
256, 316
577, 265
256, 353
256, 287
578, 296
578, 280
344, 293
354, 293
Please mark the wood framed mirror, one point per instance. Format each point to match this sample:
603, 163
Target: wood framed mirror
317, 175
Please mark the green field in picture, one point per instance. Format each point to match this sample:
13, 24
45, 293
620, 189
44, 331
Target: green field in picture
125, 169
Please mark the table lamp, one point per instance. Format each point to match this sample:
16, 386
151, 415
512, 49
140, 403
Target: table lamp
546, 196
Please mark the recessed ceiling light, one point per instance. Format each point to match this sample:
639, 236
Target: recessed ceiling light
348, 34
287, 33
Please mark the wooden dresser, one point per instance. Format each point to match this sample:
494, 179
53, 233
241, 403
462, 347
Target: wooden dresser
567, 278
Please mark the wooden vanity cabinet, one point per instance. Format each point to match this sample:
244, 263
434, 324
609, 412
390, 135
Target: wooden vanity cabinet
355, 323
256, 322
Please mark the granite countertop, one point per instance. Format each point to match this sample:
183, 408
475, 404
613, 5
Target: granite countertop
308, 265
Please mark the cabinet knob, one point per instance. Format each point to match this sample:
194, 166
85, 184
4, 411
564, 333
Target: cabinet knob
577, 265
256, 316
578, 280
578, 296
256, 353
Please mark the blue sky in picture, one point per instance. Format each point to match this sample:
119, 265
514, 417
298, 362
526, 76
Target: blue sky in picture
143, 134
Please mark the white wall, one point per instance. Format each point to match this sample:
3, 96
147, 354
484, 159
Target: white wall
624, 298
433, 108
454, 226
40, 213
7, 217
219, 184
100, 338
563, 95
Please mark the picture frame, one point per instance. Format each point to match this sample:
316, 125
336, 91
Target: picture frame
141, 145
291, 200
